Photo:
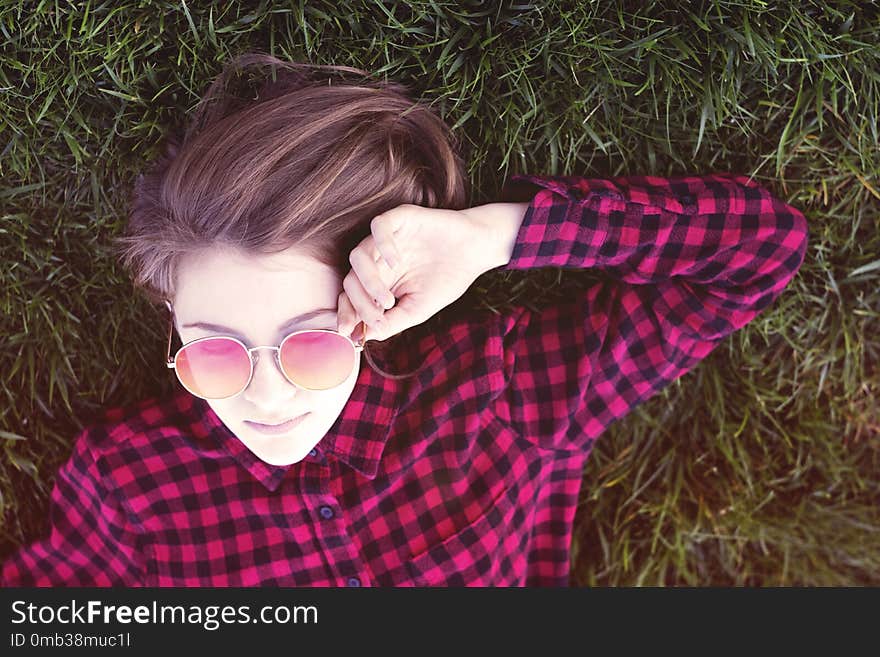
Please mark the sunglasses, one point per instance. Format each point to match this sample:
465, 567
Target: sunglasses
219, 367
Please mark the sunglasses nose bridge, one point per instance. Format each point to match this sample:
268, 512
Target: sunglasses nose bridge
255, 354
253, 349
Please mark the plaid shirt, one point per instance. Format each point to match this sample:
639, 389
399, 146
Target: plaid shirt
468, 473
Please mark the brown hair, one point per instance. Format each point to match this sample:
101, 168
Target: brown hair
307, 162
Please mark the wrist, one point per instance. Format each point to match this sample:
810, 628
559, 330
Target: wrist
502, 222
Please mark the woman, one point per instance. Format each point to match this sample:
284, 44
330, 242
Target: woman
324, 217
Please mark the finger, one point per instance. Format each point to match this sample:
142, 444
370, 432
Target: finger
346, 315
404, 315
364, 262
386, 274
398, 319
388, 277
373, 333
350, 324
376, 276
363, 303
382, 228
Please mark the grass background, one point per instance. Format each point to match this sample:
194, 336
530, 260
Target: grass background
759, 467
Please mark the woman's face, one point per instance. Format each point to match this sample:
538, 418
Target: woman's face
253, 297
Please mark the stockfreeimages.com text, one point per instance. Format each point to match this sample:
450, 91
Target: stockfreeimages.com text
210, 617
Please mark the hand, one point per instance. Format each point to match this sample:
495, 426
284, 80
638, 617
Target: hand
435, 255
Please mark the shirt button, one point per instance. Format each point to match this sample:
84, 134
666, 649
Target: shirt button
326, 512
354, 581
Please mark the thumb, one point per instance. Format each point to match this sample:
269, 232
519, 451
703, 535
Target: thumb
399, 318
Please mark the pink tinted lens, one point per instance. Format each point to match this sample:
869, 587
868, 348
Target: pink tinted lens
213, 368
317, 360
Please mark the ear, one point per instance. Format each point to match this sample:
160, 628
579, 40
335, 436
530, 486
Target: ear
359, 335
173, 316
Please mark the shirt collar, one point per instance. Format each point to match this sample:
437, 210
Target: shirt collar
357, 438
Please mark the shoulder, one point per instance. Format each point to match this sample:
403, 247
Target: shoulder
129, 436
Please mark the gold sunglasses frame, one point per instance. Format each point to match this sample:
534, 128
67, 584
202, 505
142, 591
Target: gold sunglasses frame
171, 361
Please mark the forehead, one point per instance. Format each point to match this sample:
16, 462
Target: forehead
227, 282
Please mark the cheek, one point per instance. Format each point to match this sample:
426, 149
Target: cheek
224, 408
331, 402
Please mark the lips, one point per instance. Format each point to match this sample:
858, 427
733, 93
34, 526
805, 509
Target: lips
270, 423
277, 429
273, 423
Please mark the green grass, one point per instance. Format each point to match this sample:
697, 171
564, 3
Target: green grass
759, 467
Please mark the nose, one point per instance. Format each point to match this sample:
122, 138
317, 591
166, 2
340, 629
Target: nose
269, 387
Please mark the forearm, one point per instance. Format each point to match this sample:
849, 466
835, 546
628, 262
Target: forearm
718, 247
503, 221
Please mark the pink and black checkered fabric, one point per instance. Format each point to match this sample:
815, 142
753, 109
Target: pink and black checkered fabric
468, 473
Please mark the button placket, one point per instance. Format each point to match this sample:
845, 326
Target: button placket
330, 531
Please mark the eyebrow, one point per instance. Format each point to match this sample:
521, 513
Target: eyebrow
289, 323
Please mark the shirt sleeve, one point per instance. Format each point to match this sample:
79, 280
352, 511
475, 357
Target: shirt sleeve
689, 260
91, 540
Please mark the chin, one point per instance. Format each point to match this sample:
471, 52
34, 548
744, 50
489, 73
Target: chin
281, 459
